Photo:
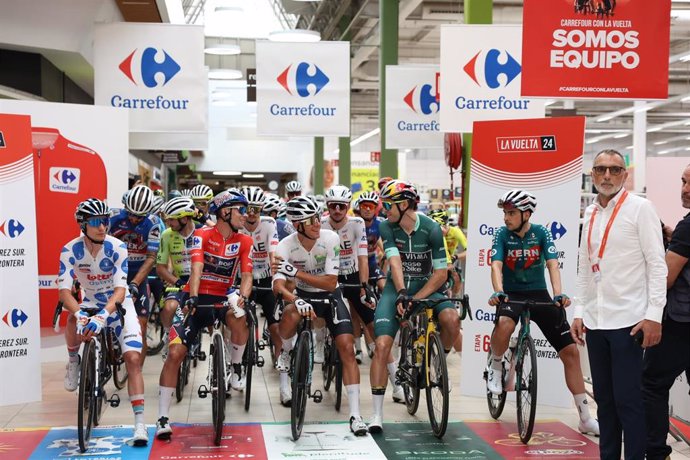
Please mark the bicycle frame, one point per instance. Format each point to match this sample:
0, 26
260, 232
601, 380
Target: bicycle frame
522, 336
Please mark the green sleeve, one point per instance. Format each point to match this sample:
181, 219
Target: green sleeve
438, 248
549, 248
498, 248
388, 239
164, 248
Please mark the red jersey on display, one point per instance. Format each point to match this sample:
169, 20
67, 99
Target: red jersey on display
221, 258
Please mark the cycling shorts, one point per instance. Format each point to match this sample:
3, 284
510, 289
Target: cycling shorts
129, 336
266, 299
331, 307
375, 273
201, 319
352, 294
141, 304
385, 321
551, 320
178, 296
157, 288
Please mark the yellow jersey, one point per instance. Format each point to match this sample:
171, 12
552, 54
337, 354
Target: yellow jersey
453, 238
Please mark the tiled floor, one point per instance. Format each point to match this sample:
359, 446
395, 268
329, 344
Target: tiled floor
58, 407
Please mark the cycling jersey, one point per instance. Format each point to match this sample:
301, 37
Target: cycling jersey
223, 259
353, 242
265, 238
177, 249
373, 235
322, 260
523, 258
454, 237
140, 239
285, 228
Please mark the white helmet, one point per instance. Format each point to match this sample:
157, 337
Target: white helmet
201, 192
179, 207
158, 202
271, 202
370, 197
186, 192
521, 199
301, 208
338, 194
255, 196
139, 200
282, 210
293, 186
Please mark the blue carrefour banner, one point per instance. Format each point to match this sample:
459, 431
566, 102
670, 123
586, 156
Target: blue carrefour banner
303, 89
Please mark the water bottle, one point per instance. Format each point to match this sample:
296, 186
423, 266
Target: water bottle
511, 356
418, 350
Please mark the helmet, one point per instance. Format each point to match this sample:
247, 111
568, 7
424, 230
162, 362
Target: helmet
92, 207
271, 203
227, 198
383, 181
124, 197
139, 201
338, 194
301, 208
439, 215
158, 202
399, 190
521, 199
173, 194
254, 195
369, 197
179, 207
201, 192
355, 205
293, 186
186, 192
282, 210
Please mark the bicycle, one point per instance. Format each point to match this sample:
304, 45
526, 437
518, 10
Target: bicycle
251, 355
423, 361
332, 369
154, 329
191, 359
521, 376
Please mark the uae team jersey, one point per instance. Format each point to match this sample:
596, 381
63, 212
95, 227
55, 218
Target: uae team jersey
321, 260
223, 259
523, 258
353, 242
140, 239
265, 239
176, 249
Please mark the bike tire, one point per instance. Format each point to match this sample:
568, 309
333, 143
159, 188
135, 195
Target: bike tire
436, 373
182, 378
103, 370
154, 334
218, 388
87, 395
496, 403
120, 374
338, 380
328, 366
268, 343
300, 386
526, 388
250, 354
410, 388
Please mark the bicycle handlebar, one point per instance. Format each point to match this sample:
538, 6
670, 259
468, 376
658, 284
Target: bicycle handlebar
60, 307
528, 303
430, 303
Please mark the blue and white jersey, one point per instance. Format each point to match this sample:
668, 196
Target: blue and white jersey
373, 236
140, 239
285, 228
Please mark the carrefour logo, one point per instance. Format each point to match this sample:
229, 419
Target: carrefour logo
305, 80
15, 318
64, 180
150, 67
421, 99
11, 228
557, 230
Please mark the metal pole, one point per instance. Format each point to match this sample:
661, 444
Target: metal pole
389, 11
318, 165
344, 158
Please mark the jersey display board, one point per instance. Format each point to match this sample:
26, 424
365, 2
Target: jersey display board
480, 80
157, 73
544, 157
303, 89
79, 152
607, 49
411, 107
20, 338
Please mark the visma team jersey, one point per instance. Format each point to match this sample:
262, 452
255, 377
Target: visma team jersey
321, 260
265, 241
373, 235
176, 249
353, 242
140, 239
421, 252
523, 258
99, 275
285, 228
223, 259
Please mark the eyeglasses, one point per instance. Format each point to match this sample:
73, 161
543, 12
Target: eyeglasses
98, 221
254, 209
614, 170
313, 220
338, 206
367, 206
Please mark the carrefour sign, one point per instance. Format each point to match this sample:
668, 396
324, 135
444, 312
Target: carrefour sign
303, 88
412, 109
481, 72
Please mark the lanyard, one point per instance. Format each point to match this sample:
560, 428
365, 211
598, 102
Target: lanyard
602, 246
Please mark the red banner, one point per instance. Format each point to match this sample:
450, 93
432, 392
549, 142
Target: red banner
195, 441
596, 49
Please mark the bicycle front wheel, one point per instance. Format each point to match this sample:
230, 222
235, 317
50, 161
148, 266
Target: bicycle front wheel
496, 402
526, 388
437, 386
87, 395
407, 363
182, 377
218, 387
249, 359
120, 374
300, 387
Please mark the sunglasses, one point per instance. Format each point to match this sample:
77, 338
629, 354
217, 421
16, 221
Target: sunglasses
254, 209
98, 221
337, 206
241, 209
313, 220
388, 205
367, 206
614, 170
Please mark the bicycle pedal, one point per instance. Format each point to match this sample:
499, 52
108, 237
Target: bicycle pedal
317, 396
260, 361
114, 400
202, 391
202, 356
261, 345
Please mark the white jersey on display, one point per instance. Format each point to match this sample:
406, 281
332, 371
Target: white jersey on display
353, 242
321, 260
265, 242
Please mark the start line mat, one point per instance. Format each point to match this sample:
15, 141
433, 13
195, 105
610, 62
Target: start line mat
319, 441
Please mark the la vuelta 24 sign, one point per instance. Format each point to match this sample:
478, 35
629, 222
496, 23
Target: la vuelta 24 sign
596, 49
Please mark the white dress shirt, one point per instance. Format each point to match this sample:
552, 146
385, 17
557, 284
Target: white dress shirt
633, 268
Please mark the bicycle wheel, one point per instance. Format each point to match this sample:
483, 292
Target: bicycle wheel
154, 333
182, 378
496, 402
328, 366
103, 374
120, 374
338, 380
526, 388
437, 397
300, 387
218, 387
87, 395
407, 363
249, 359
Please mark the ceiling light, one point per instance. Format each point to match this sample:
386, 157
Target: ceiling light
227, 173
366, 136
295, 35
223, 49
620, 136
224, 74
228, 9
253, 176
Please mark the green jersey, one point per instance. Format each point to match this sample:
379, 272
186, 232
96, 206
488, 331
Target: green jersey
176, 248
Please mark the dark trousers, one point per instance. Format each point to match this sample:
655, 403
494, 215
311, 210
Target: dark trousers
616, 364
662, 365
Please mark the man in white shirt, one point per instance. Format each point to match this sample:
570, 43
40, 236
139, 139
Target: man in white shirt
621, 292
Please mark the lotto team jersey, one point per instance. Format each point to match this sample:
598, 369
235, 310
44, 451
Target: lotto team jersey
285, 228
523, 258
353, 243
99, 275
223, 259
265, 239
421, 252
176, 249
140, 239
321, 260
373, 235
454, 237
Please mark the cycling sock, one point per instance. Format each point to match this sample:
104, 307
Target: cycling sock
236, 353
378, 394
353, 399
73, 353
165, 395
371, 346
284, 380
287, 343
358, 344
237, 368
497, 363
138, 407
582, 406
392, 370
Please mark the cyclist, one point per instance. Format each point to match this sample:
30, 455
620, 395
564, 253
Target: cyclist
382, 182
155, 283
275, 208
310, 258
99, 262
218, 254
454, 239
413, 244
202, 195
140, 231
368, 202
520, 252
293, 189
175, 253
